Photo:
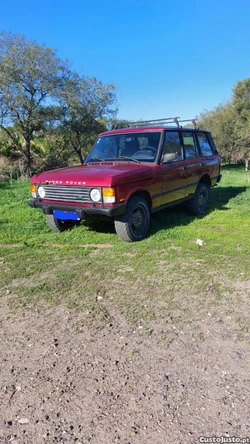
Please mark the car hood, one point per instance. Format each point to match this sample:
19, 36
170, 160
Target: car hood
95, 174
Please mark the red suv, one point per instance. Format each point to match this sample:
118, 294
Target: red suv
129, 174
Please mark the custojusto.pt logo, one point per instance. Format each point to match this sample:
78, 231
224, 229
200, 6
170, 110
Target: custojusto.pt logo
224, 439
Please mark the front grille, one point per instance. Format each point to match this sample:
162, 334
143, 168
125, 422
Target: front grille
68, 193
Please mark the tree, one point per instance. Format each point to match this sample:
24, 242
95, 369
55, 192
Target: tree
221, 122
241, 102
87, 103
119, 123
241, 97
31, 76
230, 125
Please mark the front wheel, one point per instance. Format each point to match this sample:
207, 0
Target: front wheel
58, 225
198, 204
133, 225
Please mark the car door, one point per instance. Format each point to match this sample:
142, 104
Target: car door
174, 175
194, 166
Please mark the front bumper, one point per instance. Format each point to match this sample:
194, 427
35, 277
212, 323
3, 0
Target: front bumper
82, 212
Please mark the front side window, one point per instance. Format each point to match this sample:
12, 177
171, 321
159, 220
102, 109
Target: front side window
205, 147
172, 144
141, 147
190, 145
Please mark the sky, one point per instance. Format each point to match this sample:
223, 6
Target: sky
166, 58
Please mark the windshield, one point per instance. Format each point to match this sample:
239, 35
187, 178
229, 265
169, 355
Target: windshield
137, 147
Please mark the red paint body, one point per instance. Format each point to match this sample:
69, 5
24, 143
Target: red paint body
145, 173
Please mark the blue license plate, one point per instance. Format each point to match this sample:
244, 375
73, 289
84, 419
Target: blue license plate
65, 215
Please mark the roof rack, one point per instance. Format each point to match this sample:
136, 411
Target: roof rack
165, 121
187, 120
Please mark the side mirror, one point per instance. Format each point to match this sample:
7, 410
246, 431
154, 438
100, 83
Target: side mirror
169, 157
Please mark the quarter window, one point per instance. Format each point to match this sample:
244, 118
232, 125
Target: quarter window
205, 147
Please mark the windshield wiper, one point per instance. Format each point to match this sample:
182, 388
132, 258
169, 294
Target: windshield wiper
96, 159
124, 158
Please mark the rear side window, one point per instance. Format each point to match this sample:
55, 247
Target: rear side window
172, 144
190, 145
205, 148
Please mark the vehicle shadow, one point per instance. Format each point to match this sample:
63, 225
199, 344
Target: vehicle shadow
222, 195
105, 226
177, 216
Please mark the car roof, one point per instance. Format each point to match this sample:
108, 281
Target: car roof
142, 129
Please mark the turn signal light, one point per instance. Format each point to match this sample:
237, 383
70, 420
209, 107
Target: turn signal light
108, 195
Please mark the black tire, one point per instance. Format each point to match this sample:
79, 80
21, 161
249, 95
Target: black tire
58, 225
198, 204
133, 225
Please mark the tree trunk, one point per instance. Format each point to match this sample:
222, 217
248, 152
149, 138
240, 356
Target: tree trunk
28, 160
247, 164
79, 153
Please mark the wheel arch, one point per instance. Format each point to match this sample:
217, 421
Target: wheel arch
144, 194
206, 180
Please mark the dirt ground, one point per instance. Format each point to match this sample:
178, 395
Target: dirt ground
66, 382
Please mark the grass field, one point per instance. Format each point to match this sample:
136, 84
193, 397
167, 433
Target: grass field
104, 341
166, 276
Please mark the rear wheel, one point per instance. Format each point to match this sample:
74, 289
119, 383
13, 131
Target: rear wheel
58, 225
198, 204
133, 225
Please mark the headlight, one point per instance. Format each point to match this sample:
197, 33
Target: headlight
41, 192
95, 195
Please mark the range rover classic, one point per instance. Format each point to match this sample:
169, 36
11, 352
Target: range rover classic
129, 174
